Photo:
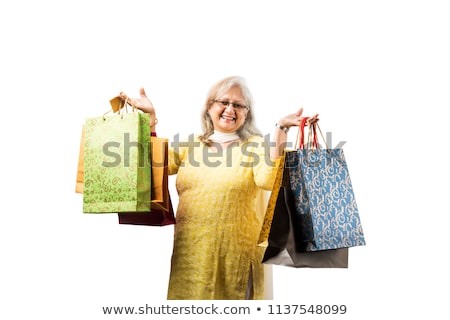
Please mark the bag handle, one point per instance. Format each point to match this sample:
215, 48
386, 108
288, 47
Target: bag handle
315, 127
121, 110
302, 132
312, 136
300, 138
312, 141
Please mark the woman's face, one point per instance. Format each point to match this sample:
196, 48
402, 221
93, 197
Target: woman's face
228, 112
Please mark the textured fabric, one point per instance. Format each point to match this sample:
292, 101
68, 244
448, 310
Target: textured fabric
215, 254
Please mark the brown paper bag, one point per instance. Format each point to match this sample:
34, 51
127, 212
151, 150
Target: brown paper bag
161, 213
116, 103
160, 170
80, 171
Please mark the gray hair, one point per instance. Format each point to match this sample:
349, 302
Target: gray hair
248, 129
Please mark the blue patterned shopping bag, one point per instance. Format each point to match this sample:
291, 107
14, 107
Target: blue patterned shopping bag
324, 199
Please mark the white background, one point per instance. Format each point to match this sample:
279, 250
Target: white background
377, 72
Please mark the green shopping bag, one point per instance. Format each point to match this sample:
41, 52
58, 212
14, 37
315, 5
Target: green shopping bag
117, 175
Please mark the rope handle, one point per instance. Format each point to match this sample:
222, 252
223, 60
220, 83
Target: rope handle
121, 109
312, 140
300, 138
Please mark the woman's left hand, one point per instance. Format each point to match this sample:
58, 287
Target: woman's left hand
295, 119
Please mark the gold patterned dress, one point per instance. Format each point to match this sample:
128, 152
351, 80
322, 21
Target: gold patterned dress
215, 253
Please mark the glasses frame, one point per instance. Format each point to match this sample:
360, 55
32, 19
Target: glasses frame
236, 106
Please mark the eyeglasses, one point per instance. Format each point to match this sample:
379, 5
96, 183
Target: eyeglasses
236, 106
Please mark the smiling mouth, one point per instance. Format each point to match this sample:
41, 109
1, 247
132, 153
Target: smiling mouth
228, 118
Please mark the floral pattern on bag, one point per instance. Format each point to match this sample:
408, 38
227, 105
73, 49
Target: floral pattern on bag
324, 199
117, 172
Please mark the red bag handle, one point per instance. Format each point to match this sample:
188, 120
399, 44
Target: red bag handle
312, 135
302, 132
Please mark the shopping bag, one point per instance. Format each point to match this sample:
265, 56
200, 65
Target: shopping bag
160, 174
80, 167
161, 213
283, 241
271, 203
324, 198
156, 217
280, 178
117, 175
159, 166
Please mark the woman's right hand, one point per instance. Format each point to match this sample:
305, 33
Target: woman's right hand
143, 103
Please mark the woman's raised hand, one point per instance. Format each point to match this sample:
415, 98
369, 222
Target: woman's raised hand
143, 103
295, 119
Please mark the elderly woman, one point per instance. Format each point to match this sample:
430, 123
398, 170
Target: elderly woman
219, 174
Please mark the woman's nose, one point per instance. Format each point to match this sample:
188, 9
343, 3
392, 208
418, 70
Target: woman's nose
229, 108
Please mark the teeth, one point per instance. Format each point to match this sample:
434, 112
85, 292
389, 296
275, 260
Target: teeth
228, 118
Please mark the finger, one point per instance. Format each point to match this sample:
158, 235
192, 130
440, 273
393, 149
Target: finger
142, 93
299, 112
315, 118
124, 97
